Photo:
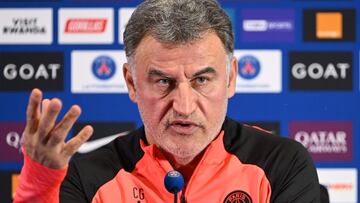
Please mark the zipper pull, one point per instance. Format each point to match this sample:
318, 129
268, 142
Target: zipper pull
182, 198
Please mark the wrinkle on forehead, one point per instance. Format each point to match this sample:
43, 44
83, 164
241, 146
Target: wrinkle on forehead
180, 57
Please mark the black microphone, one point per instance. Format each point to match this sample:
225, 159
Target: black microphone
174, 182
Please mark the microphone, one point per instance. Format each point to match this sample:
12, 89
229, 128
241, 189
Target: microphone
174, 182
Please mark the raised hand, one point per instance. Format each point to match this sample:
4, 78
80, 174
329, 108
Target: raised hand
43, 139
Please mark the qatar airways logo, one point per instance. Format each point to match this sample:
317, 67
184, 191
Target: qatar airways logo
10, 136
323, 141
326, 141
85, 25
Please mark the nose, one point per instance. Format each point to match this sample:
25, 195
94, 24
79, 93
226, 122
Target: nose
184, 102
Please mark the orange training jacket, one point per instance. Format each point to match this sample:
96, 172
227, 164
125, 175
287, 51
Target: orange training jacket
242, 165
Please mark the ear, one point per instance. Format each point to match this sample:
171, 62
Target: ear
129, 79
232, 77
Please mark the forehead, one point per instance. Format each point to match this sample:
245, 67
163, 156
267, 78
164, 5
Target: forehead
208, 49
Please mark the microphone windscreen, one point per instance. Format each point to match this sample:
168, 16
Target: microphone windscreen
174, 181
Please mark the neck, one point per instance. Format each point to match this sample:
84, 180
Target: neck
186, 166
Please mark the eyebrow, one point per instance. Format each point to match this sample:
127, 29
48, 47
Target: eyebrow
155, 72
159, 73
204, 71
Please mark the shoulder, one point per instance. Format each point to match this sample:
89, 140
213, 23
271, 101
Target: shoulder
122, 152
286, 163
87, 172
252, 144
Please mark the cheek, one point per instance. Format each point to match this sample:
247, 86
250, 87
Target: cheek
217, 95
215, 104
143, 95
151, 108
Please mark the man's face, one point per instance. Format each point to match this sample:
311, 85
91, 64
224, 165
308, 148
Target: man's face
182, 92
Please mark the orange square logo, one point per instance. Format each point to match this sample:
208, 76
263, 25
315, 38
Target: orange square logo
14, 184
329, 25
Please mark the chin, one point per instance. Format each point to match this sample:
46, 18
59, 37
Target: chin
184, 152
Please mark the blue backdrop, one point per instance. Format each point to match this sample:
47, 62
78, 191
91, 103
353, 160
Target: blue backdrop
281, 108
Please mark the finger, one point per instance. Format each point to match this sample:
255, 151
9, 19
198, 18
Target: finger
44, 105
43, 108
73, 145
62, 129
48, 117
33, 111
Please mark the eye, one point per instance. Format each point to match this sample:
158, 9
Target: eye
201, 80
164, 82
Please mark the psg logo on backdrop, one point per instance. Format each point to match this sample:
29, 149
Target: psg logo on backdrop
103, 67
238, 196
249, 67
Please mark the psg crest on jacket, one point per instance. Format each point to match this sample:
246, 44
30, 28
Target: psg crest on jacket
238, 196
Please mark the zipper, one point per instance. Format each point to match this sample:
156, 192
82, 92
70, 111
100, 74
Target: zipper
182, 198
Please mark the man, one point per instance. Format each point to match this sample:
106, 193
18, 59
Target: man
180, 72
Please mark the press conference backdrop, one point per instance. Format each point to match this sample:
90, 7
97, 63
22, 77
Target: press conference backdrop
298, 75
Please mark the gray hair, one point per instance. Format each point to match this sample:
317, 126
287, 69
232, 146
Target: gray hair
177, 22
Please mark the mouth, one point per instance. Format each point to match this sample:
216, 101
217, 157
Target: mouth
183, 127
